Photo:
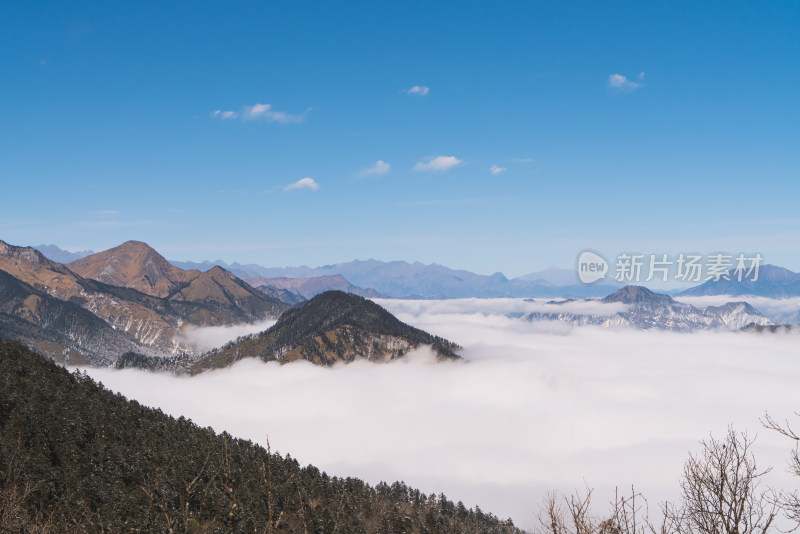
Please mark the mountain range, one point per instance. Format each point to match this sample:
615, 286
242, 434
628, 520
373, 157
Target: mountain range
219, 297
773, 282
644, 309
129, 306
128, 298
58, 327
400, 279
308, 287
58, 255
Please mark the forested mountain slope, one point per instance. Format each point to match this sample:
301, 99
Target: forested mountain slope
75, 457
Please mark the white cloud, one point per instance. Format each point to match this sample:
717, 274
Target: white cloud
107, 213
263, 112
506, 308
622, 83
204, 339
495, 170
303, 183
420, 90
781, 311
225, 114
535, 409
380, 167
439, 163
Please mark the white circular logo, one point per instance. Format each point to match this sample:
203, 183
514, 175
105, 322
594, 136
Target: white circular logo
591, 267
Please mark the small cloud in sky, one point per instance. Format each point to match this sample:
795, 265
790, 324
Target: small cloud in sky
438, 164
43, 62
419, 90
264, 112
107, 213
622, 83
303, 183
380, 167
495, 170
224, 114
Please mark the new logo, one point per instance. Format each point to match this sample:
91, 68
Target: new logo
591, 267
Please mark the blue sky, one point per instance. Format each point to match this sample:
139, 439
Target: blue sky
109, 130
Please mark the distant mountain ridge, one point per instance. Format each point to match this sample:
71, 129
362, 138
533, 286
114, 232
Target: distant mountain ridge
283, 295
310, 287
58, 255
649, 310
773, 282
400, 279
554, 276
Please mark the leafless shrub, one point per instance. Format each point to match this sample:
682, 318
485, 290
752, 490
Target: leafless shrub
720, 490
789, 500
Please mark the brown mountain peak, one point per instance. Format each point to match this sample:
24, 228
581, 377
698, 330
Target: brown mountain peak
136, 265
217, 284
216, 271
134, 249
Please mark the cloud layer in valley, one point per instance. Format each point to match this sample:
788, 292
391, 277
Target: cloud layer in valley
533, 409
205, 339
779, 310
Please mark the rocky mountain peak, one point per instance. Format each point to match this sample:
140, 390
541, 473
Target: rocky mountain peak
638, 295
28, 255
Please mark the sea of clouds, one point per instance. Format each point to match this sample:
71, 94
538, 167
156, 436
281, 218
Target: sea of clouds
205, 339
535, 407
780, 311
